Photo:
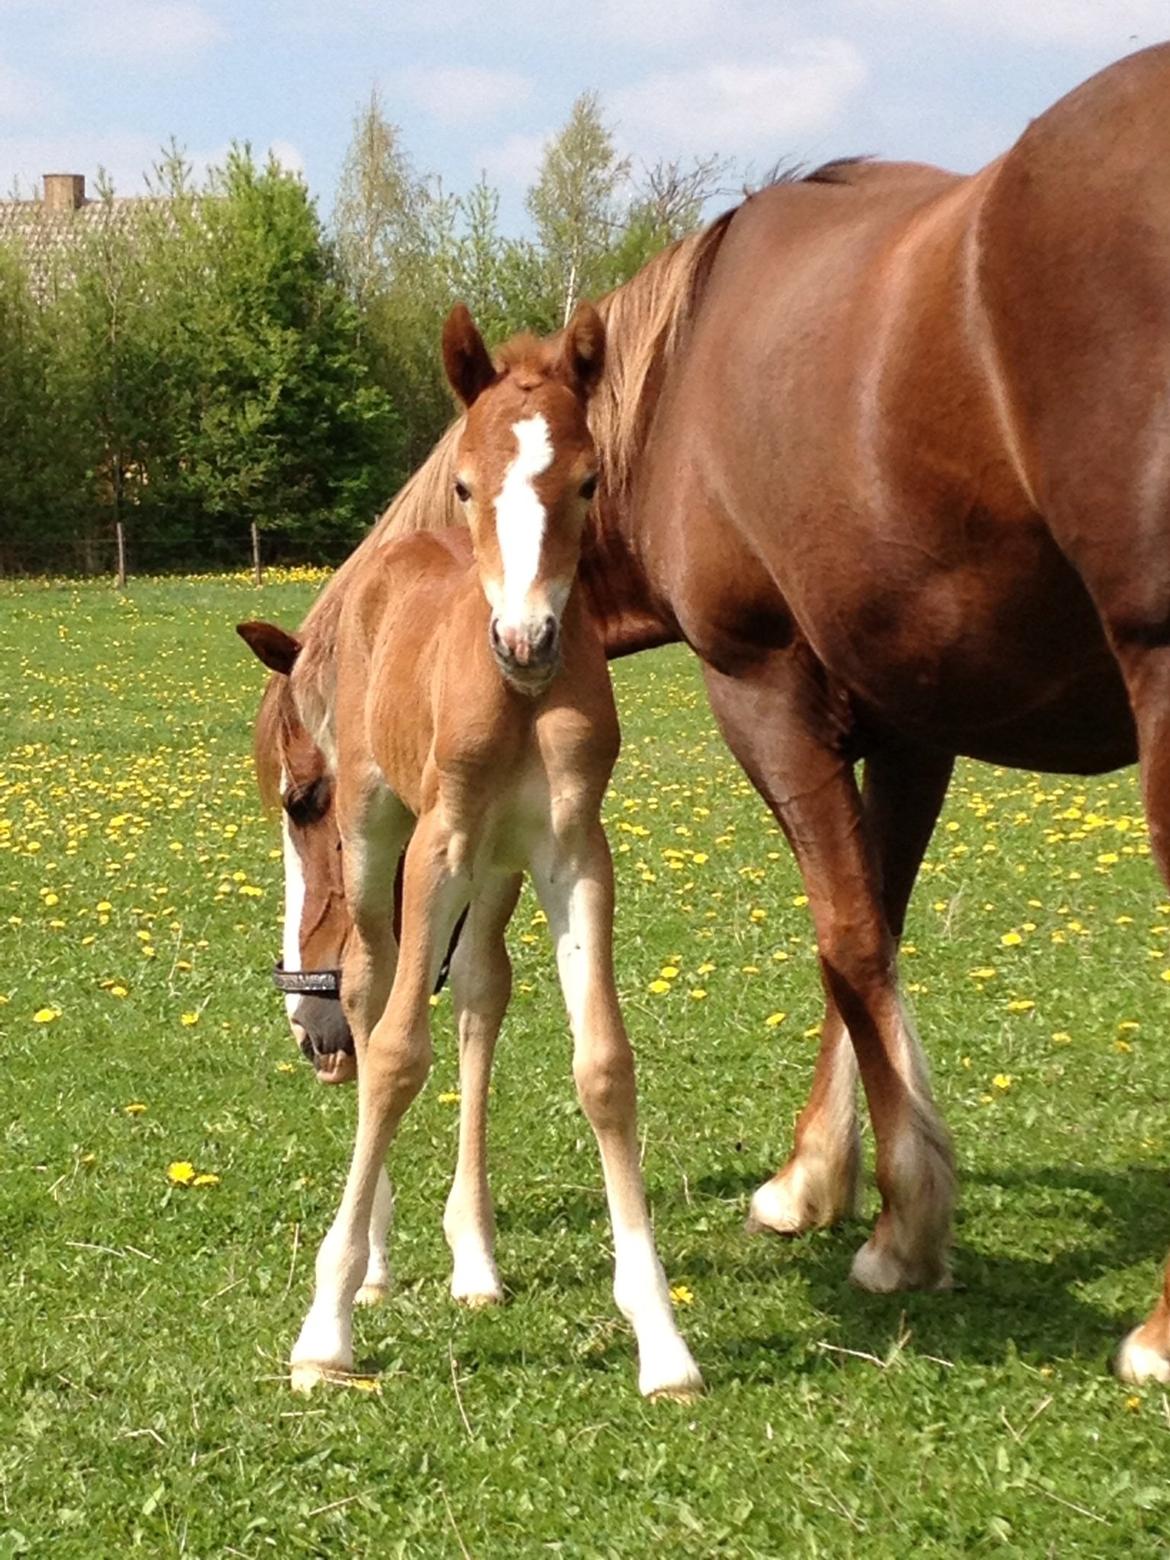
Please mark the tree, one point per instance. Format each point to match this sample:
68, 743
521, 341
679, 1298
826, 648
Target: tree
275, 418
574, 205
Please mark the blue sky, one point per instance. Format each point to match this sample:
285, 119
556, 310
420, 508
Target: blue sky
480, 86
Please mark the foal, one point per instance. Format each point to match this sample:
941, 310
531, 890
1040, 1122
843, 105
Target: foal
468, 709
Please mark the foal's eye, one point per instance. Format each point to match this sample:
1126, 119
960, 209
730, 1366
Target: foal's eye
589, 487
462, 491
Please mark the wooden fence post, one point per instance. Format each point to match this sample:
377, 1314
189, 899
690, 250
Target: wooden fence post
256, 575
120, 579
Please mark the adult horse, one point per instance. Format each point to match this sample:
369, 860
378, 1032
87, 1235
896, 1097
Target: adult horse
888, 448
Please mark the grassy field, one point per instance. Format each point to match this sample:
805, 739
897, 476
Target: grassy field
142, 1384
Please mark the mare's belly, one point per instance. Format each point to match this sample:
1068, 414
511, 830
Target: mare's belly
1002, 662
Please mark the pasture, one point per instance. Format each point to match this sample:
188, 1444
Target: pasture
169, 1166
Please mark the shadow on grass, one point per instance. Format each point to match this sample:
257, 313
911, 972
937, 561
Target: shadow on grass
1038, 1262
1028, 1298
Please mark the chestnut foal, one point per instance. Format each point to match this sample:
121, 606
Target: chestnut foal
467, 709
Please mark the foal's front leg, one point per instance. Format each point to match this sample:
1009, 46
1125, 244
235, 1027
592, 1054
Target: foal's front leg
391, 1070
576, 889
481, 984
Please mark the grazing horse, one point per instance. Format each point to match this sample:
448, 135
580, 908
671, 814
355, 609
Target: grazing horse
466, 716
888, 448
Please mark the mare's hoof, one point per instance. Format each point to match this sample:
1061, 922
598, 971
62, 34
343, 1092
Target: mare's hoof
883, 1272
371, 1294
794, 1202
1137, 1362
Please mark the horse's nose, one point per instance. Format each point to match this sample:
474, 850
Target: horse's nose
320, 1026
529, 645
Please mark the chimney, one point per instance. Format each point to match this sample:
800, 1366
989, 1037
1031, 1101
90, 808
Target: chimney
64, 191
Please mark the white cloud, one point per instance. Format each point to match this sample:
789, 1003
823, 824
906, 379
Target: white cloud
458, 94
138, 30
739, 106
513, 160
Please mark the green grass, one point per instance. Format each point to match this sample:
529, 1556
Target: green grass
145, 1326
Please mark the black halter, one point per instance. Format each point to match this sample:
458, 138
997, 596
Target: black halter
327, 983
307, 983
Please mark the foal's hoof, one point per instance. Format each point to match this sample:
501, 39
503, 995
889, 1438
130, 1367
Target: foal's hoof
475, 1282
371, 1294
1137, 1362
306, 1375
672, 1376
884, 1272
479, 1301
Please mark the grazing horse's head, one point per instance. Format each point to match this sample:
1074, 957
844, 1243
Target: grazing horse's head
525, 474
291, 768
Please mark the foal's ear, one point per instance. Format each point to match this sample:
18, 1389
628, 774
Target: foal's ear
469, 368
583, 349
270, 644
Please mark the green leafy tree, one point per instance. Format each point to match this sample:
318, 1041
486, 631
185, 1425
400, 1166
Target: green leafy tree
575, 206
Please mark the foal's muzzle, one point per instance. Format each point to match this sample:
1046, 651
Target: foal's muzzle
526, 653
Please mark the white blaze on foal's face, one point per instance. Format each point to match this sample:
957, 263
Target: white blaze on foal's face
521, 521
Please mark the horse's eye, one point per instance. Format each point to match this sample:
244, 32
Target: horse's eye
305, 804
462, 491
589, 487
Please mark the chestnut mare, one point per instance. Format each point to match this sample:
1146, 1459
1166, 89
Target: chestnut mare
467, 716
888, 448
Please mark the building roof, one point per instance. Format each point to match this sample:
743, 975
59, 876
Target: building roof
49, 231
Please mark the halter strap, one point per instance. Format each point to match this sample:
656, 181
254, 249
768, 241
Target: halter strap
327, 983
307, 983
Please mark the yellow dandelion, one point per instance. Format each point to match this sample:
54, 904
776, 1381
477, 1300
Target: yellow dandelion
1011, 939
1021, 1005
658, 986
188, 1019
681, 1295
285, 1067
698, 993
449, 1097
180, 1172
775, 1018
135, 1108
1002, 1082
668, 971
46, 1015
207, 1178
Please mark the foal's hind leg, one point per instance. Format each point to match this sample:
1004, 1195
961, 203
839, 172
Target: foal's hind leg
481, 984
902, 795
780, 724
576, 889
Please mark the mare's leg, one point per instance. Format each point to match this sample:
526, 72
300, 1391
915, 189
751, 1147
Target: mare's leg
1145, 1353
902, 795
576, 888
779, 721
393, 1062
481, 984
